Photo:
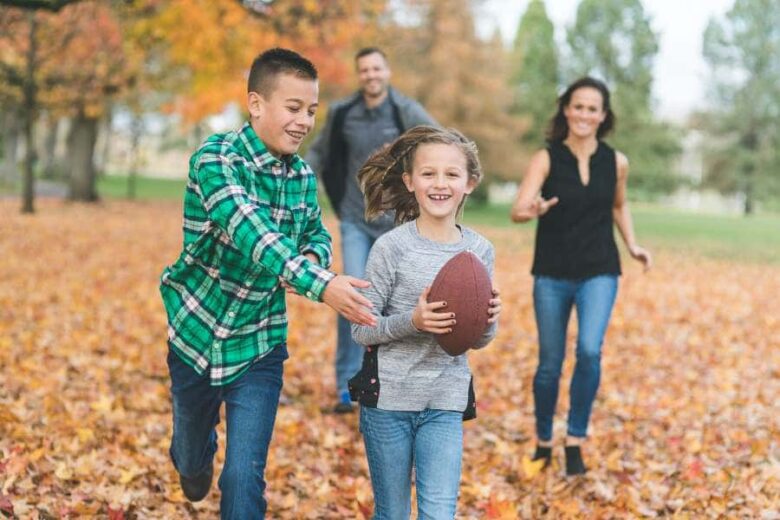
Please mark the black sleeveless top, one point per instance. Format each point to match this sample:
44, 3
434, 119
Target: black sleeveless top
574, 239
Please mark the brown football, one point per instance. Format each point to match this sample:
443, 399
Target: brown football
464, 283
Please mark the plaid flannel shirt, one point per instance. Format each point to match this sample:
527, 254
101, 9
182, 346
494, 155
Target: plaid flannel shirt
248, 220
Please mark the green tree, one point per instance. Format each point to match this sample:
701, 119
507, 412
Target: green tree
534, 72
614, 41
743, 123
461, 79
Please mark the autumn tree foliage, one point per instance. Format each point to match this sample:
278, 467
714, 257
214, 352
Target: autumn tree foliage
460, 78
70, 60
211, 44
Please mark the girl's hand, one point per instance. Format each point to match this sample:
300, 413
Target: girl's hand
495, 307
426, 319
642, 255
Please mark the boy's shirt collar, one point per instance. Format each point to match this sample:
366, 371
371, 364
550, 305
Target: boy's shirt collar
263, 158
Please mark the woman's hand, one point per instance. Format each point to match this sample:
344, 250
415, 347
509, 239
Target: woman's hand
541, 206
426, 319
495, 307
642, 255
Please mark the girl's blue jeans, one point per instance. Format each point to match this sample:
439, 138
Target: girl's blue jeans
431, 442
553, 301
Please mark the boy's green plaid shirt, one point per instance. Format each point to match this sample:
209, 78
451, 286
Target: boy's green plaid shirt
248, 219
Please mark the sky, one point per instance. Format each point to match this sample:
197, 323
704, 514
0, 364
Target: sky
680, 70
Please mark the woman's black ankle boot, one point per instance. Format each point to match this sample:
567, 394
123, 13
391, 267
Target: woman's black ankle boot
543, 452
574, 463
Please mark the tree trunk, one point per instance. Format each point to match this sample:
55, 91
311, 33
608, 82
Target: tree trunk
48, 160
749, 195
135, 154
81, 149
28, 184
10, 129
105, 149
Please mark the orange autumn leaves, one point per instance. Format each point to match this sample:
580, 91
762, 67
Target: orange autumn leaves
685, 424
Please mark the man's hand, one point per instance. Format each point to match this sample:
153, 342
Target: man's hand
340, 294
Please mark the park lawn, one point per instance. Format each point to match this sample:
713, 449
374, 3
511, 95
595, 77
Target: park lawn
755, 238
115, 187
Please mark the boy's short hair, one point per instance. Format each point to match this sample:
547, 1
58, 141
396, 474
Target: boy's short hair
365, 51
273, 62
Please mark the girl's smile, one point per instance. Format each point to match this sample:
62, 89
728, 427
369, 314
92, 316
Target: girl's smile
439, 181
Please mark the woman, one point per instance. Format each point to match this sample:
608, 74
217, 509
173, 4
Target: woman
576, 187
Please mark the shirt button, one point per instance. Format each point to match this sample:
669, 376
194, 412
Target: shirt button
232, 314
216, 346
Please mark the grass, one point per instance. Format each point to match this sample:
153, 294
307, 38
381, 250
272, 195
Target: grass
754, 238
113, 186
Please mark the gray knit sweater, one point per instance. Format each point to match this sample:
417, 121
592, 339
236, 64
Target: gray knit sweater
404, 369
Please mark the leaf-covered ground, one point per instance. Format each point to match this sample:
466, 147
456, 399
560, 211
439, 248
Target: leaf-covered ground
686, 425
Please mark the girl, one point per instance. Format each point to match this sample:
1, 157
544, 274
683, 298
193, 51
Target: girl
583, 192
413, 396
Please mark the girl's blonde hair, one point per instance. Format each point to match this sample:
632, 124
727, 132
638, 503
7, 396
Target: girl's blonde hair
381, 177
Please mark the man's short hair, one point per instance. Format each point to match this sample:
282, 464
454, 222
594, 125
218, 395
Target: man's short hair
365, 51
273, 62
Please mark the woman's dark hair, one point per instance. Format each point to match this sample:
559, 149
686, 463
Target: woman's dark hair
558, 128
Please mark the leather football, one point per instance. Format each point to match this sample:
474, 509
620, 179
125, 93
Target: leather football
464, 283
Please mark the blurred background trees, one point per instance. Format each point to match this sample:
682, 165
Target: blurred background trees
108, 87
743, 125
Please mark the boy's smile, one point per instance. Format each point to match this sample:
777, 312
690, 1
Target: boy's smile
284, 119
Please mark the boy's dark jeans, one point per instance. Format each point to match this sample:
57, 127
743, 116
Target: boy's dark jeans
251, 402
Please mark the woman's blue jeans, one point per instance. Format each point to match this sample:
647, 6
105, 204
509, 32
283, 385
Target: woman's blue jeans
251, 402
553, 301
431, 442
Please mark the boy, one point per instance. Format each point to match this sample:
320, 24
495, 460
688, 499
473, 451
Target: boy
251, 227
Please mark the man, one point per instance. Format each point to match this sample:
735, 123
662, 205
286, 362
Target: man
251, 228
354, 128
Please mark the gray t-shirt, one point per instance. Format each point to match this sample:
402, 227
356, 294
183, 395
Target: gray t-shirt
366, 130
413, 371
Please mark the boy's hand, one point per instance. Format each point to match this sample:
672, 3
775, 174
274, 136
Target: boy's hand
495, 307
426, 319
340, 294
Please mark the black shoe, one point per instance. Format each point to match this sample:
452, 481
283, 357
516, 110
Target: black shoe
543, 452
574, 463
196, 488
344, 405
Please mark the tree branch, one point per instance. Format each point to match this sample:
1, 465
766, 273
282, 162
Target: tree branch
48, 5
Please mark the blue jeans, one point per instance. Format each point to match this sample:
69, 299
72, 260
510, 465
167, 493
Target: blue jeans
553, 301
355, 245
251, 402
431, 441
